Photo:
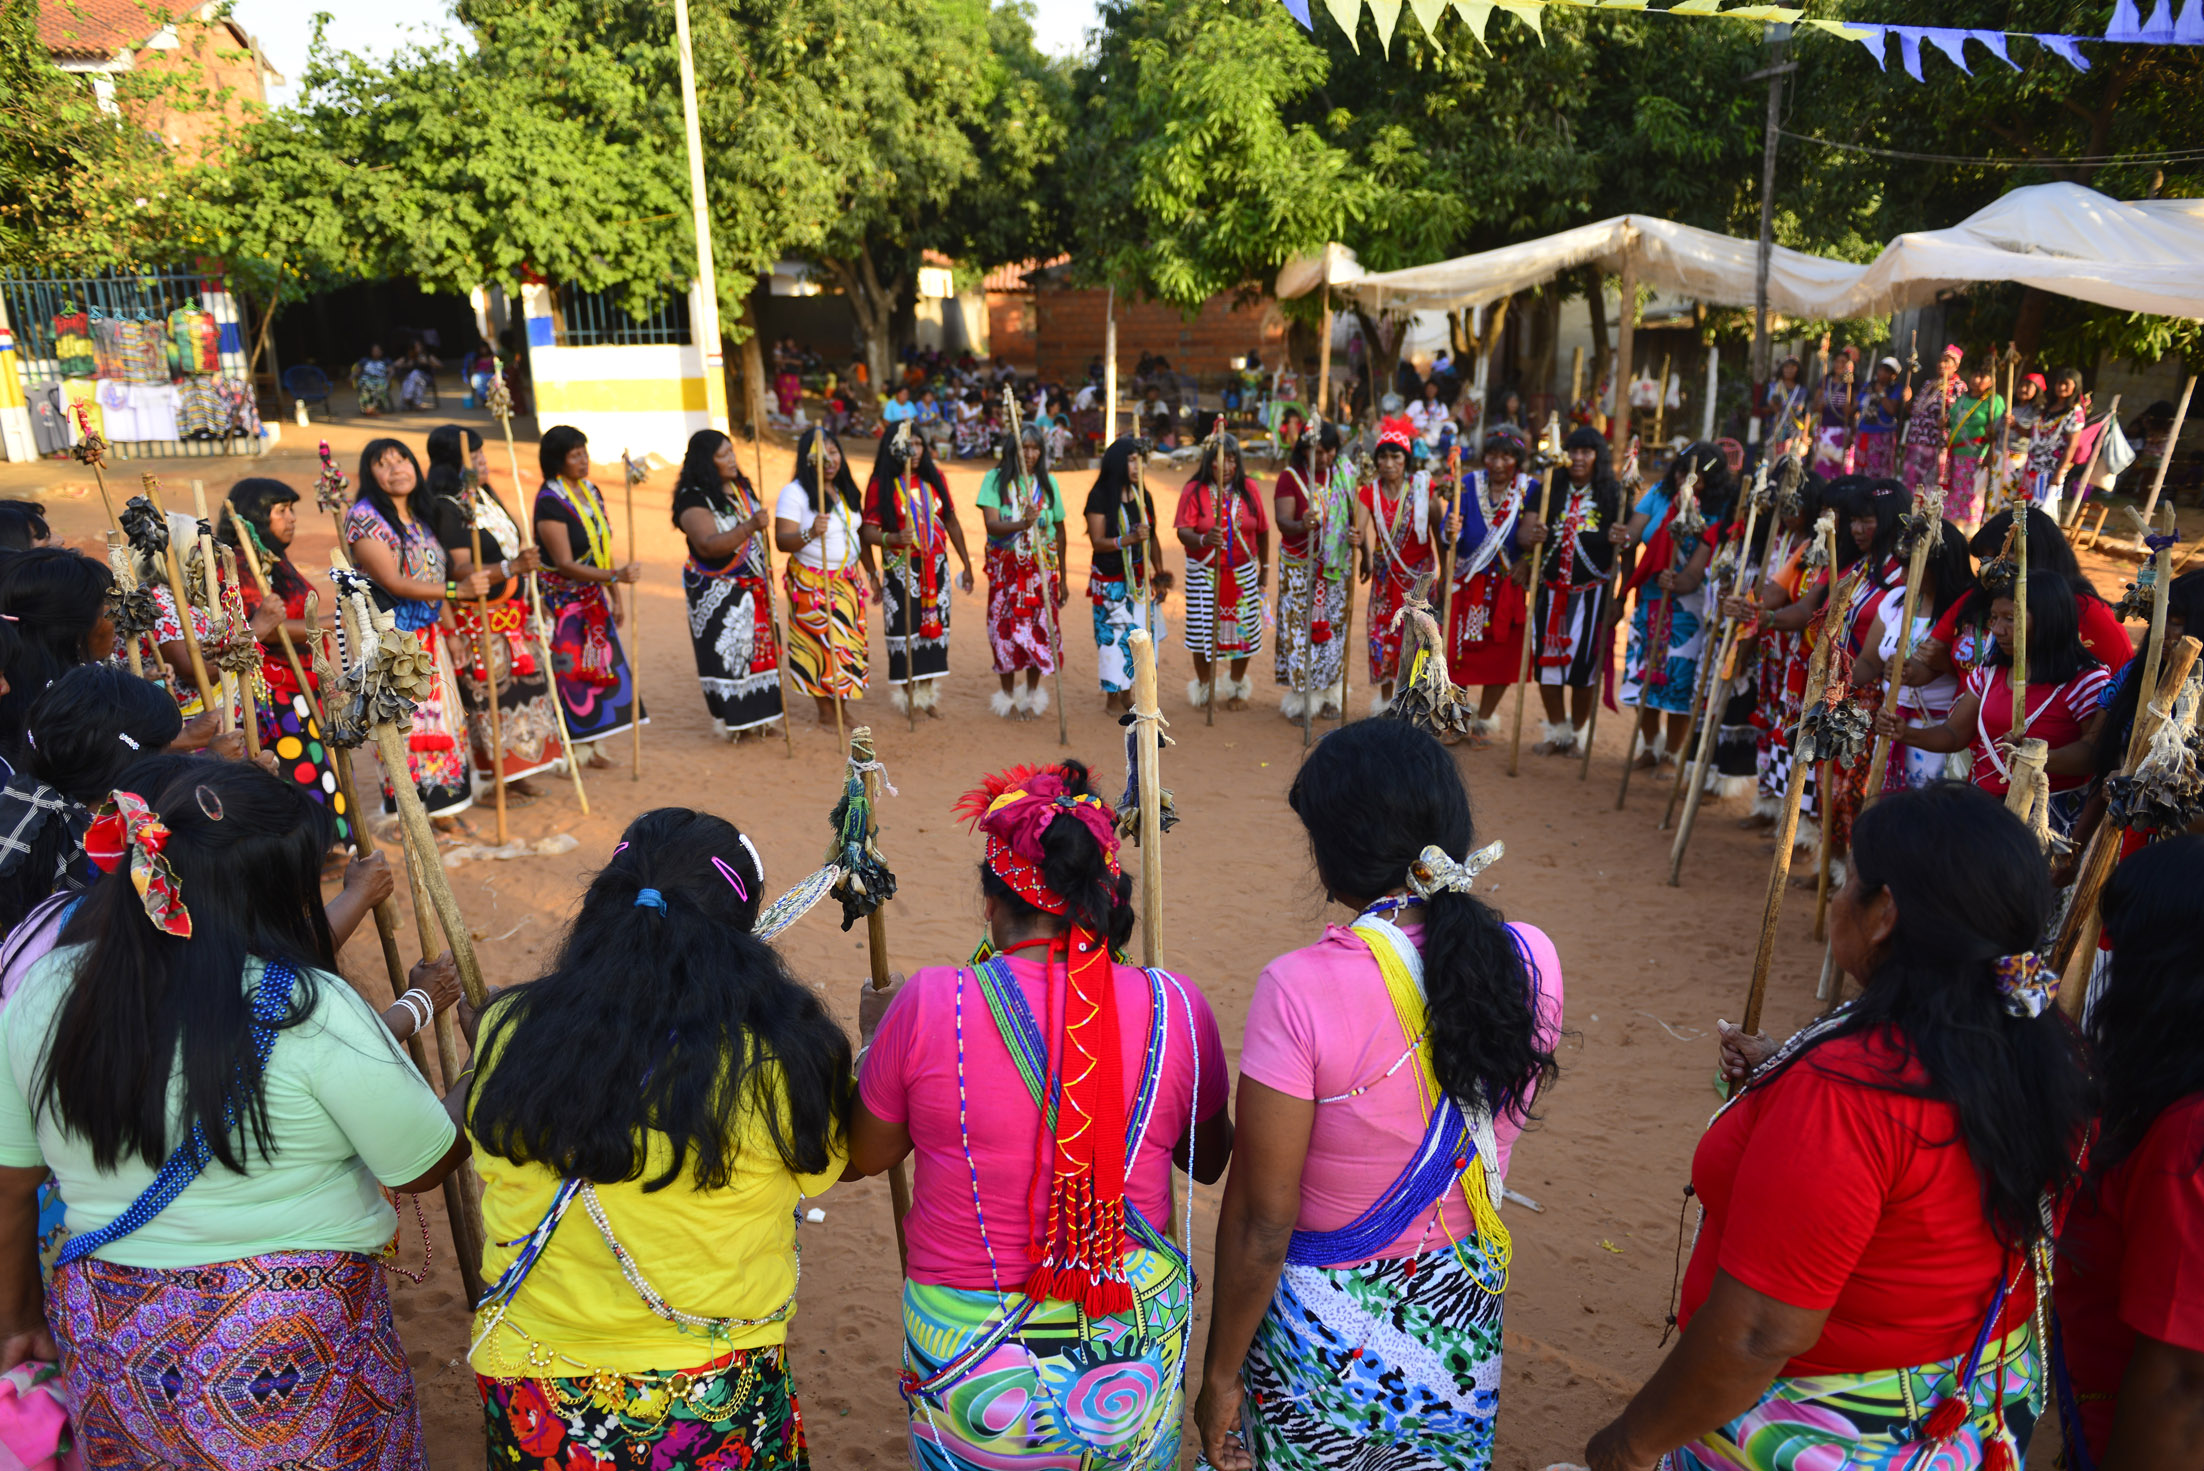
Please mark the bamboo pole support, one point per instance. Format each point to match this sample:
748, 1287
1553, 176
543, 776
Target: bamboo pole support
1530, 621
1324, 345
635, 626
2173, 441
183, 605
1696, 792
876, 951
2019, 651
772, 606
1786, 828
1894, 676
1825, 850
483, 649
1147, 750
2096, 458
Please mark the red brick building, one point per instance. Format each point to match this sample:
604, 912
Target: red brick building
1040, 323
206, 53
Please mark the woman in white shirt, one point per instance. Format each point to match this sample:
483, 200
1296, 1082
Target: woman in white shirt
827, 650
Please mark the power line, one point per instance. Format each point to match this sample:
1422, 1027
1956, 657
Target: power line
2178, 155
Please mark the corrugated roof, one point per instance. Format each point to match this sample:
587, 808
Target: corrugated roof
99, 28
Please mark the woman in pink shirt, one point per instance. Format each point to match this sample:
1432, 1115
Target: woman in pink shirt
1046, 1309
1385, 1072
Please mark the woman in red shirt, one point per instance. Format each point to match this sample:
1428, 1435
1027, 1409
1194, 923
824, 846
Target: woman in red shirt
1960, 641
2131, 1255
1864, 1279
1221, 524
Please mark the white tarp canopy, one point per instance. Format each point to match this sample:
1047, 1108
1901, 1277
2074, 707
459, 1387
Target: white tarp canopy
2146, 256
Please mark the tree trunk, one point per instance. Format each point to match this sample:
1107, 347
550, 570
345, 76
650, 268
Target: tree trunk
872, 302
1386, 336
1595, 295
753, 365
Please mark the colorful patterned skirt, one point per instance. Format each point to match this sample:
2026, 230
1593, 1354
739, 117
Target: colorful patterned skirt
1116, 615
1019, 632
925, 653
1672, 683
1872, 1422
1875, 455
827, 653
1239, 633
289, 1360
1570, 649
741, 1412
527, 722
433, 756
1312, 652
1924, 465
1057, 1389
1484, 629
1387, 1366
738, 659
288, 728
1963, 483
596, 687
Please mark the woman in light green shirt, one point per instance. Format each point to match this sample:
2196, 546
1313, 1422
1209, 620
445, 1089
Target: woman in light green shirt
1025, 572
204, 957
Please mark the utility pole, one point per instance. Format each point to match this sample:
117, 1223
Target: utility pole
1778, 37
707, 329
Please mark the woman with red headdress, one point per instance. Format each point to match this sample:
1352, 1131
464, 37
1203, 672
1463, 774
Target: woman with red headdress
1486, 609
1046, 1310
1397, 522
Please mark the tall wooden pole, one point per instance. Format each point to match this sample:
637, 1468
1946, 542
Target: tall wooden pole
1538, 568
213, 583
876, 949
183, 604
772, 612
628, 478
700, 217
1932, 507
2173, 441
1696, 792
484, 649
1147, 750
1324, 343
2019, 651
2161, 584
1625, 340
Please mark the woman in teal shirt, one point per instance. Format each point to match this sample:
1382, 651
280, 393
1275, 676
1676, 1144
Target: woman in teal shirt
1025, 572
222, 1306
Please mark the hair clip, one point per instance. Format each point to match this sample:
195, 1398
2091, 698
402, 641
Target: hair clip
650, 899
125, 737
209, 803
757, 864
618, 849
727, 872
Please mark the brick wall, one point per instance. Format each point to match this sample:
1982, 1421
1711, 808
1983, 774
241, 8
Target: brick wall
1058, 332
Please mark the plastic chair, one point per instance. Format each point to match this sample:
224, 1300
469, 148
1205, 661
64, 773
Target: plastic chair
306, 383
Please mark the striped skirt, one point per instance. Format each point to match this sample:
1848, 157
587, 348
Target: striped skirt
1569, 649
924, 654
289, 1360
1387, 1366
827, 652
1242, 633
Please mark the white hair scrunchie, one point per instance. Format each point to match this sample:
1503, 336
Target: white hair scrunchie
1435, 872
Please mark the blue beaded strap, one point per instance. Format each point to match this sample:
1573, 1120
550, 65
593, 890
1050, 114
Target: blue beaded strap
271, 1003
1440, 1161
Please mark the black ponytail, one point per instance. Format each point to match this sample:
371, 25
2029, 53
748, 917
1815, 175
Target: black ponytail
1372, 796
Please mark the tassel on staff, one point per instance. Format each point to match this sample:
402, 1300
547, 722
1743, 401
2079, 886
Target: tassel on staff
152, 536
864, 887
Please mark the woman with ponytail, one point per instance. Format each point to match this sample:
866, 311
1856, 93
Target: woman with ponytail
1385, 1073
1876, 1195
646, 1138
1039, 1250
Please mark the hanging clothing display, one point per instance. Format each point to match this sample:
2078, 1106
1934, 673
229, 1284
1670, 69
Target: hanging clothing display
194, 341
73, 344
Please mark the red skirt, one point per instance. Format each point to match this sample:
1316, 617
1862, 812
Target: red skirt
1484, 634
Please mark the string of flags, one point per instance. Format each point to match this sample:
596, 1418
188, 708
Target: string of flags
2164, 27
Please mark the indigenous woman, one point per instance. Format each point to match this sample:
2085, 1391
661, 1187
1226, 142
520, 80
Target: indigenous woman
595, 687
1784, 408
2130, 1290
2064, 705
278, 1097
1316, 553
817, 526
1046, 1310
2051, 441
727, 582
1487, 609
1397, 526
1668, 626
1928, 428
264, 509
1127, 582
459, 510
1569, 619
1875, 434
1974, 421
1386, 1073
1837, 409
390, 541
1221, 524
2028, 396
1780, 632
1960, 643
1872, 1196
648, 1328
1923, 695
1024, 516
908, 512
57, 605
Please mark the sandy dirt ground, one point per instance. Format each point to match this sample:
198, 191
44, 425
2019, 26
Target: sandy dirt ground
1647, 967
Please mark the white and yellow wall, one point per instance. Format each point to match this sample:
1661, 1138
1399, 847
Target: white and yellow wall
645, 400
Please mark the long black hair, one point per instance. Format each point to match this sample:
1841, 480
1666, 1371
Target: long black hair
2047, 548
2055, 650
1606, 489
1303, 458
57, 597
915, 458
373, 493
1883, 501
2015, 1083
450, 447
1373, 795
559, 441
247, 850
1717, 485
83, 732
1949, 569
807, 474
1075, 867
22, 525
589, 1061
700, 472
2145, 1023
250, 500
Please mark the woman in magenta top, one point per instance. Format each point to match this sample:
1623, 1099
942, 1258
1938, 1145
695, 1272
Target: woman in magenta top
1046, 1309
2131, 1255
1864, 1281
1385, 1072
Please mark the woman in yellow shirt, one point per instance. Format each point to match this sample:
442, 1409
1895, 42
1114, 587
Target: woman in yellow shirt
646, 1134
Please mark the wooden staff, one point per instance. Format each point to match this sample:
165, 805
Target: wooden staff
772, 611
91, 450
1700, 724
1932, 508
1147, 750
283, 631
2019, 727
629, 475
2173, 441
876, 948
1313, 563
1730, 630
484, 648
183, 604
2096, 458
1530, 631
1685, 493
224, 679
826, 632
1610, 616
501, 405
126, 578
233, 613
1347, 620
1786, 830
1660, 402
1824, 849
2005, 425
910, 595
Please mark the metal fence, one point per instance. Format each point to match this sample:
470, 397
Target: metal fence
34, 301
597, 319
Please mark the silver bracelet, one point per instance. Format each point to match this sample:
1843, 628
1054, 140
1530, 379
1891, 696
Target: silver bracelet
422, 1010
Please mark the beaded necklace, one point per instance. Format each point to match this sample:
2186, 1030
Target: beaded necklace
582, 498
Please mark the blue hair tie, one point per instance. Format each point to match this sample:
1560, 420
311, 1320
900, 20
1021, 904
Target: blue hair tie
650, 899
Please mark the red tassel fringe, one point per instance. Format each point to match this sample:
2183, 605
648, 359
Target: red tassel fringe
1944, 1421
